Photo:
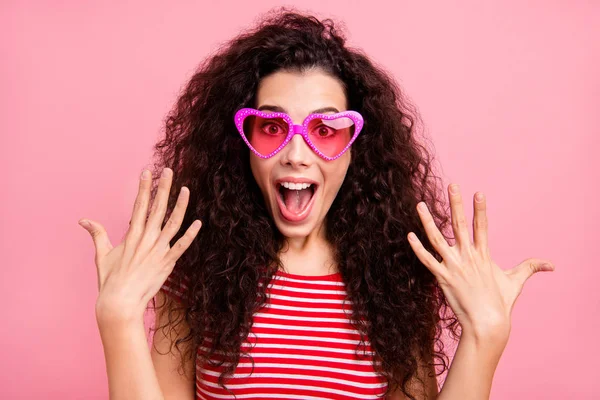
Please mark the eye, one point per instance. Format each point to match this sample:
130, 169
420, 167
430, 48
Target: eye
272, 128
324, 131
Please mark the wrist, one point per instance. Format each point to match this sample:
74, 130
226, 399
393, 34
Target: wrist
116, 332
117, 315
489, 336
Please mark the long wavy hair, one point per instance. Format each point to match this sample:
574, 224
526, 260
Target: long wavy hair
367, 224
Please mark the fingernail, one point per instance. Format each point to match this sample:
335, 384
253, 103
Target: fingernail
547, 267
454, 188
85, 223
165, 173
145, 174
412, 236
479, 197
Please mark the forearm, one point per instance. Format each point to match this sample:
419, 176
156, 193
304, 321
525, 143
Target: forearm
131, 373
472, 369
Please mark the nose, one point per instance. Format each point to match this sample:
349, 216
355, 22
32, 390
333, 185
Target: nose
297, 152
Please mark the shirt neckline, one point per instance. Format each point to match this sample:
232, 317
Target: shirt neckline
334, 276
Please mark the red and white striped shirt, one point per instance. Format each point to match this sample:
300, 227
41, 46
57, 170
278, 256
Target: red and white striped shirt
303, 347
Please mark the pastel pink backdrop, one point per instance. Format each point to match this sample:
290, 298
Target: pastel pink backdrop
509, 92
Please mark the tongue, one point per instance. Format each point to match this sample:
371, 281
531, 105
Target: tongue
296, 200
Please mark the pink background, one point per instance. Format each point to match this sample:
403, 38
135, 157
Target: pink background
509, 92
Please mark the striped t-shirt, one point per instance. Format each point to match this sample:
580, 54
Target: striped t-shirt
303, 347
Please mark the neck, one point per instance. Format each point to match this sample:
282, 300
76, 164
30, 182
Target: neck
308, 255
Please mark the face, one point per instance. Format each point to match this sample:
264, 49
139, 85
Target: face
299, 213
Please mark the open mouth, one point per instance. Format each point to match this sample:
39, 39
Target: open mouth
295, 201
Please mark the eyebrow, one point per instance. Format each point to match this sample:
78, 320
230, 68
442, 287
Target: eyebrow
281, 109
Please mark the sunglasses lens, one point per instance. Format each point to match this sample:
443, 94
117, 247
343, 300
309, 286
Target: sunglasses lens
265, 134
331, 136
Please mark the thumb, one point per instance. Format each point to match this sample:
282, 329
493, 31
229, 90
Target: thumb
527, 268
99, 236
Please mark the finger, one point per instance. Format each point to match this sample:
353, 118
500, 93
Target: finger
183, 243
159, 208
459, 222
437, 240
527, 268
425, 256
480, 223
99, 236
137, 224
175, 220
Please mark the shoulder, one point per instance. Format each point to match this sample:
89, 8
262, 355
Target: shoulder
167, 360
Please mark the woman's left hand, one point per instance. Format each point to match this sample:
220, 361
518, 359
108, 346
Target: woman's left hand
481, 294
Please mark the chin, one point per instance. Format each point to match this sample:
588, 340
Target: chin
294, 231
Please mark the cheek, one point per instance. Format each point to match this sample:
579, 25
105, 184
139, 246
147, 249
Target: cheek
335, 173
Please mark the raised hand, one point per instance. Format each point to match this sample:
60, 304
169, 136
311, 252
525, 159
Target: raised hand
481, 294
130, 274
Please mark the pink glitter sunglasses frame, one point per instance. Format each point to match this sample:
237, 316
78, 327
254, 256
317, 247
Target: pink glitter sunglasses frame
298, 129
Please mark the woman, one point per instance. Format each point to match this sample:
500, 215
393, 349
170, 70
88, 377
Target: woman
298, 274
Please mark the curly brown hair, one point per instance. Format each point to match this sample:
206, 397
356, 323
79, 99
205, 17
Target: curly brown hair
367, 224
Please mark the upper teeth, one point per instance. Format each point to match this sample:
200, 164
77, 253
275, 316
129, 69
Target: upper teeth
295, 186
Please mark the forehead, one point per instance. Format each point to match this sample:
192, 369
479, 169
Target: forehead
299, 94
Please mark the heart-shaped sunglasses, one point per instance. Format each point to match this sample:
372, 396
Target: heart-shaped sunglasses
328, 135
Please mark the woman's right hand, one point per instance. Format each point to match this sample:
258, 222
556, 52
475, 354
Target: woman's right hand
131, 274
